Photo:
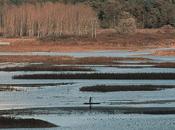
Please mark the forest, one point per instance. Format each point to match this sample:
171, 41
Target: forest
82, 17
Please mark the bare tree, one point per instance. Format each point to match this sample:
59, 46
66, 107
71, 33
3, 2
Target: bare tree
49, 19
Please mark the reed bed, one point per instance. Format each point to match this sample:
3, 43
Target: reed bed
11, 86
118, 88
165, 65
101, 76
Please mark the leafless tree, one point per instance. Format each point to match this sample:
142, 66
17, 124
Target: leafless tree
49, 19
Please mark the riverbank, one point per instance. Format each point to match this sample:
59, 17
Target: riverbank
106, 40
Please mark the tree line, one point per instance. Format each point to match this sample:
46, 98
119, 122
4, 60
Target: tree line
49, 19
81, 17
148, 13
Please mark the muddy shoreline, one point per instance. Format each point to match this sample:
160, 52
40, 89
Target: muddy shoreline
9, 122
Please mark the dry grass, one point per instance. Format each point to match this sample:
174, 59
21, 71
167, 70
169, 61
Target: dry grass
106, 40
9, 88
45, 68
165, 53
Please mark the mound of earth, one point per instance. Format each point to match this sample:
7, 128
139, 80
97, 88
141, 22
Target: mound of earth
9, 122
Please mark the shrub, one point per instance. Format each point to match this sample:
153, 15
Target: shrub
126, 25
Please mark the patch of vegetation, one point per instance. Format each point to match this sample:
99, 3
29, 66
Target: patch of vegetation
8, 88
165, 65
11, 86
148, 13
109, 76
118, 88
9, 122
45, 68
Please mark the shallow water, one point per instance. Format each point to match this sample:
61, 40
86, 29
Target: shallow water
118, 53
95, 121
70, 96
121, 53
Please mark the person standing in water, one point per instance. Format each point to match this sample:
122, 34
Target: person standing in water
90, 103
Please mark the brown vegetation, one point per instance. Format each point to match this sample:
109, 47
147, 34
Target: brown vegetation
49, 19
8, 88
106, 40
165, 65
45, 68
165, 53
4, 87
114, 88
101, 76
